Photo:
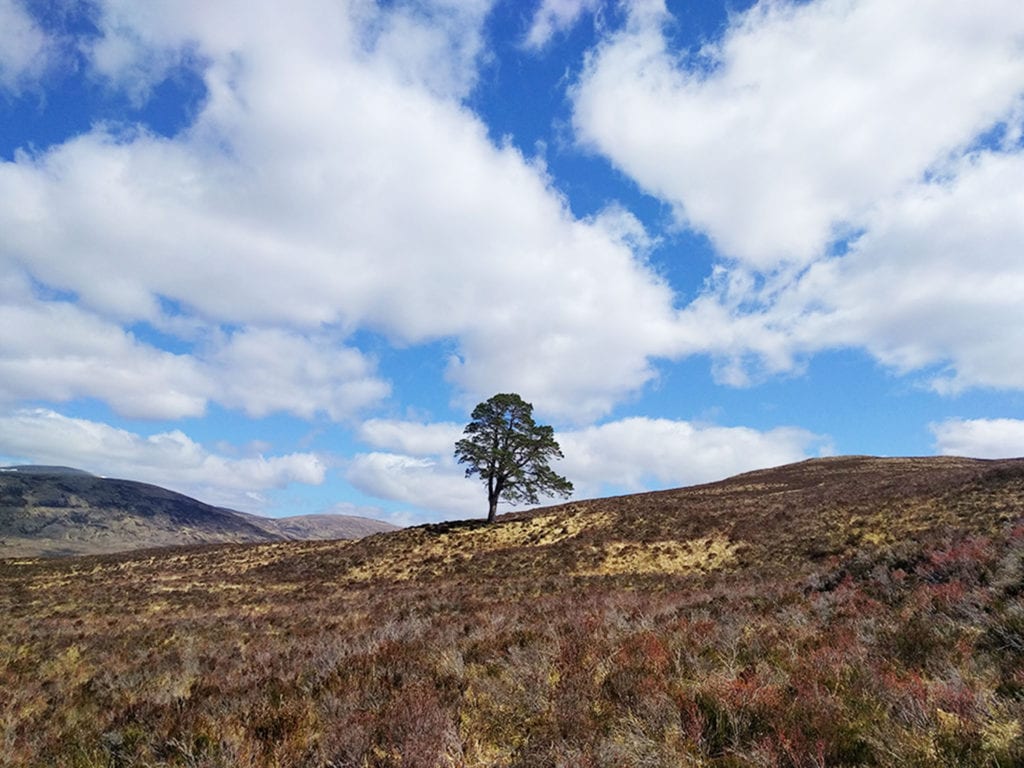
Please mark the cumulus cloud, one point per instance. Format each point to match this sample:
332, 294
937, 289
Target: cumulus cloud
25, 50
57, 351
859, 166
263, 371
410, 437
786, 132
555, 16
170, 459
936, 280
638, 453
332, 179
436, 485
980, 438
932, 285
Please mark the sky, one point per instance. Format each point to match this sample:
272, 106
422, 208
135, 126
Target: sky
272, 254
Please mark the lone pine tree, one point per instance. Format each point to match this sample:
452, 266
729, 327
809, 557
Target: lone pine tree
510, 453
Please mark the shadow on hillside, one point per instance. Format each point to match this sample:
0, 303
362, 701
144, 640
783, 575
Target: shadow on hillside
451, 526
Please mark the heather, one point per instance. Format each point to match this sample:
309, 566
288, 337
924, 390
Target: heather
835, 613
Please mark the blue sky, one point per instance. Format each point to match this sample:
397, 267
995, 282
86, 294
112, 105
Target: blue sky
273, 257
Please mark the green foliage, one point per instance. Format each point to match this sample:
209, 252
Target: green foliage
511, 453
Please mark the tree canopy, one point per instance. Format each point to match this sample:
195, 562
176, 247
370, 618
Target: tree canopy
510, 453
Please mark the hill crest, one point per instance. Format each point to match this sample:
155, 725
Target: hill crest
777, 520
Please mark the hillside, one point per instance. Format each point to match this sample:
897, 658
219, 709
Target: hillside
48, 511
842, 612
324, 527
782, 520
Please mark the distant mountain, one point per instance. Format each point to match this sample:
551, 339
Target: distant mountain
52, 511
324, 527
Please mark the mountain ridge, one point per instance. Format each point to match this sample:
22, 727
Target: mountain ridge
60, 511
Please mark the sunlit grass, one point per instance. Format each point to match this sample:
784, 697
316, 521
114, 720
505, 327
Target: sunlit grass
669, 557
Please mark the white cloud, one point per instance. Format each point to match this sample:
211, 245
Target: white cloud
937, 279
980, 438
433, 46
436, 485
848, 120
804, 116
169, 459
934, 282
25, 49
58, 352
411, 438
329, 182
267, 370
639, 454
555, 16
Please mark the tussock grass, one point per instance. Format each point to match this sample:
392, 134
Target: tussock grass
670, 557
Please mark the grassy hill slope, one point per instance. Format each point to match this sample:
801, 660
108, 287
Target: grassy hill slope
848, 611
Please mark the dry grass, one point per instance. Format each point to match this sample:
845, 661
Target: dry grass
436, 550
844, 612
669, 557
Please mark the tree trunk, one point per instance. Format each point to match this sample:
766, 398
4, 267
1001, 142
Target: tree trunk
494, 488
493, 510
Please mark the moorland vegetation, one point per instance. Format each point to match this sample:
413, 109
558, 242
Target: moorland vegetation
838, 612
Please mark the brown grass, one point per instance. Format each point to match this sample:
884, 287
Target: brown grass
854, 612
